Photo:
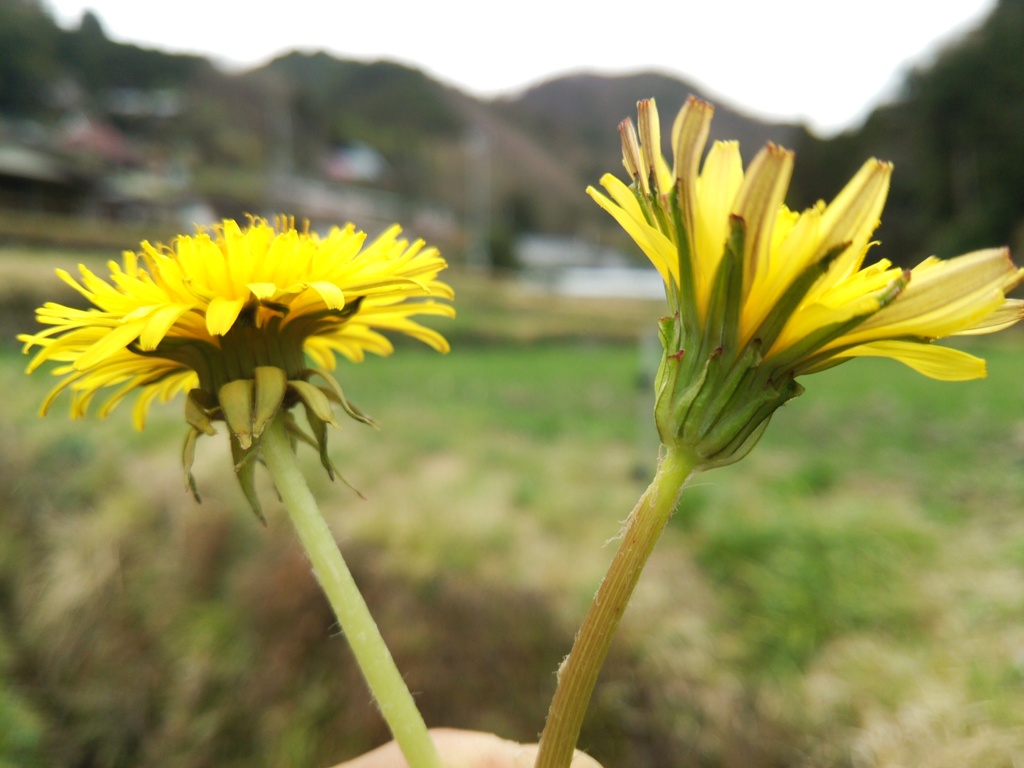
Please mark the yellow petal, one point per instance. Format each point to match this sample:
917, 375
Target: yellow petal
853, 216
333, 296
715, 193
623, 197
262, 290
111, 343
689, 137
650, 133
757, 203
1011, 312
632, 157
944, 297
658, 248
221, 314
932, 360
158, 323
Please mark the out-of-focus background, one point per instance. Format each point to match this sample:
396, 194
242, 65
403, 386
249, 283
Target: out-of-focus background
851, 595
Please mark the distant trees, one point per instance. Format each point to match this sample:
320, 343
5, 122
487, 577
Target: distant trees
956, 134
27, 56
969, 115
36, 56
101, 64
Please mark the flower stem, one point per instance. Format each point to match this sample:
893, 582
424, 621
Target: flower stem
578, 674
374, 659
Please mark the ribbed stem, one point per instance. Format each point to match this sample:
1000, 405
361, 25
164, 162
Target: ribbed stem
578, 674
372, 654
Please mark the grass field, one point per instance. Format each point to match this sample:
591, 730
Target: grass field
852, 594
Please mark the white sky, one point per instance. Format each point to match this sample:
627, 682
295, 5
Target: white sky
823, 62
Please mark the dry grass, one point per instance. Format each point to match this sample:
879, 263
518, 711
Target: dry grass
852, 595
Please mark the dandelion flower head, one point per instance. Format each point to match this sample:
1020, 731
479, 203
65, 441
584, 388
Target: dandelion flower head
245, 321
761, 294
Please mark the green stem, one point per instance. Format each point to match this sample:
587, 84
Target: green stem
578, 674
374, 658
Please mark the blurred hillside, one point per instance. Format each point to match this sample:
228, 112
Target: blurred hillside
100, 130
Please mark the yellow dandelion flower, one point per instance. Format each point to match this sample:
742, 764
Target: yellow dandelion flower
762, 294
230, 317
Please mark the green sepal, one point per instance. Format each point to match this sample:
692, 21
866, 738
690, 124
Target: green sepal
236, 402
802, 350
672, 406
188, 457
335, 392
660, 218
199, 404
297, 433
733, 429
245, 471
723, 321
687, 296
780, 365
739, 448
319, 429
734, 386
718, 301
707, 385
745, 434
646, 204
716, 413
314, 398
787, 304
318, 414
270, 386
717, 345
668, 334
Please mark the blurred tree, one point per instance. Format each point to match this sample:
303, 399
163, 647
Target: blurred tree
969, 109
100, 64
27, 65
955, 137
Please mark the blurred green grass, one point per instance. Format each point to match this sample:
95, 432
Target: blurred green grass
852, 594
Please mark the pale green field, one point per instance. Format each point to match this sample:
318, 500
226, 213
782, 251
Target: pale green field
852, 594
